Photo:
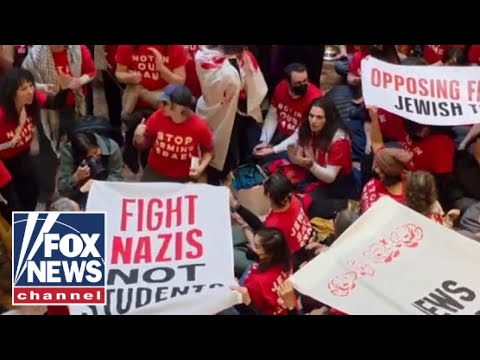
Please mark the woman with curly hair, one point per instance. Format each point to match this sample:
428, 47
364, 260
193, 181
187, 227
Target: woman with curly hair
421, 196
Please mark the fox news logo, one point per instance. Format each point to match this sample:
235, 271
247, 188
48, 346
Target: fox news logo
58, 258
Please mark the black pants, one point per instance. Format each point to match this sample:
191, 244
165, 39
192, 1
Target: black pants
329, 200
130, 153
150, 175
22, 192
244, 138
113, 97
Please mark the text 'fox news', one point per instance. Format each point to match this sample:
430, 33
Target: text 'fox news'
58, 258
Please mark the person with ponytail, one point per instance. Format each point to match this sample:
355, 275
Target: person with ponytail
181, 142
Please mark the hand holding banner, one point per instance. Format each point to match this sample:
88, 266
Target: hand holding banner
166, 253
430, 95
401, 263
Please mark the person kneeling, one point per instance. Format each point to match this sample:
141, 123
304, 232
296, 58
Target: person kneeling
87, 157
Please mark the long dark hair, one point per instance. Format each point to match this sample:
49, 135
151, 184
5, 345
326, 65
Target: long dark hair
81, 143
278, 188
11, 82
333, 123
275, 246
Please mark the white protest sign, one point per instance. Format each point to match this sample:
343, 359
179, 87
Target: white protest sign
431, 95
394, 261
168, 249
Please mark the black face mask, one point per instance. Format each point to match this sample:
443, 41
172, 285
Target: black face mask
299, 90
252, 255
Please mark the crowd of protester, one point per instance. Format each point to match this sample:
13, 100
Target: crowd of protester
197, 113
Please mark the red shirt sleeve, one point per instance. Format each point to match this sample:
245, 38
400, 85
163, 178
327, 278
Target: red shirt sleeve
88, 66
178, 56
340, 153
151, 124
206, 139
41, 98
124, 55
354, 66
315, 92
5, 176
474, 54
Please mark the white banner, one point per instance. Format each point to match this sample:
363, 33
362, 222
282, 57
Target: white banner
394, 261
169, 249
432, 95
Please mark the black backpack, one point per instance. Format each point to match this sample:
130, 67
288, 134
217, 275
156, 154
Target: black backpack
97, 124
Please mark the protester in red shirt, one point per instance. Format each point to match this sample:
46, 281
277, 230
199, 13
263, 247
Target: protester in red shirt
389, 166
47, 61
271, 269
19, 107
433, 54
145, 70
182, 143
324, 153
474, 55
288, 216
290, 101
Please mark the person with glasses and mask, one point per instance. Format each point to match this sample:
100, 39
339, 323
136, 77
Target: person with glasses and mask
291, 99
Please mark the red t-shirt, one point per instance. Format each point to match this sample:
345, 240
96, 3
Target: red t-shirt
88, 68
5, 176
262, 287
351, 48
355, 63
8, 127
434, 154
142, 60
435, 53
374, 190
293, 223
391, 126
474, 54
192, 81
290, 111
339, 154
173, 145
